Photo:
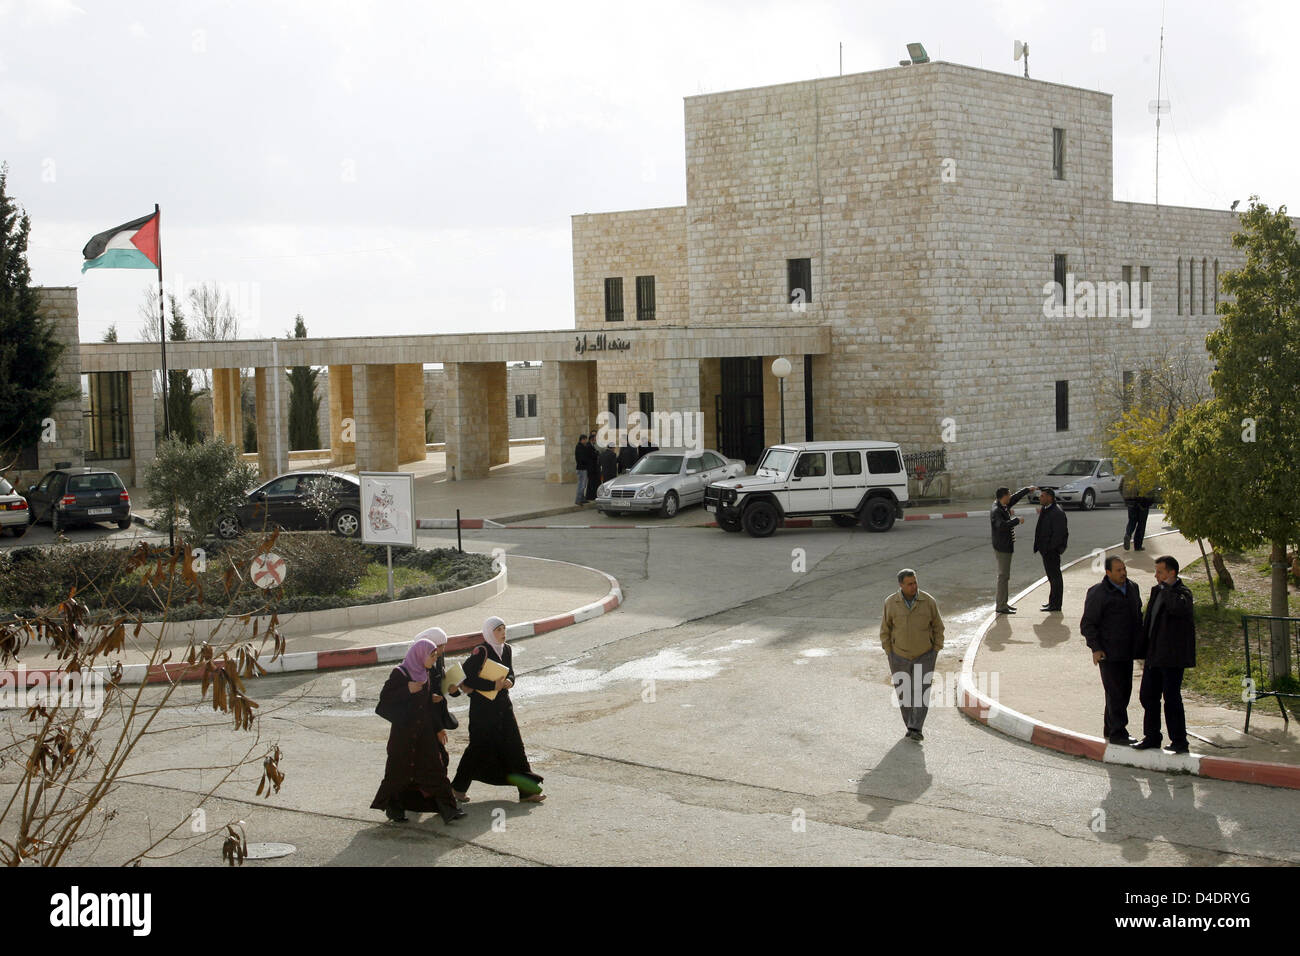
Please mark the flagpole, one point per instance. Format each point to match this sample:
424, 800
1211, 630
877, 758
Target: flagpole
162, 336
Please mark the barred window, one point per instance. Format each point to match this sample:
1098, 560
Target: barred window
614, 299
1058, 153
645, 298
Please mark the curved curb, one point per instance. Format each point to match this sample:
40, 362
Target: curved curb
301, 661
981, 708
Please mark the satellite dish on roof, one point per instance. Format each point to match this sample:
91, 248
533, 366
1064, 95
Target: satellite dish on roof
1022, 49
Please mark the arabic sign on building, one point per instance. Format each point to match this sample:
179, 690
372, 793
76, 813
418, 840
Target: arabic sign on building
600, 343
387, 508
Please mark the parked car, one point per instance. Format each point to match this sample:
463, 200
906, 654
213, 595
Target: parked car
13, 510
1086, 482
854, 482
665, 480
68, 496
287, 501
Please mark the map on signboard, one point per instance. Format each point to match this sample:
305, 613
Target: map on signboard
388, 509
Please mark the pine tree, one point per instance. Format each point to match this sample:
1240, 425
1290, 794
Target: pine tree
304, 406
29, 350
180, 386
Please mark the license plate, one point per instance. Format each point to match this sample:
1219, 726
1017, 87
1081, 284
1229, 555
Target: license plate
710, 509
99, 511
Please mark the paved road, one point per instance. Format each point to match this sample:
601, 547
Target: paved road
736, 710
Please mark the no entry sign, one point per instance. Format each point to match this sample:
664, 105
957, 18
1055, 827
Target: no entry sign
268, 570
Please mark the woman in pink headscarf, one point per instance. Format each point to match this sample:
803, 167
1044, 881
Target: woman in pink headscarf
415, 777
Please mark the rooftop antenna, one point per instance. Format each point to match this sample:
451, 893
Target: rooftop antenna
1022, 49
1158, 105
841, 58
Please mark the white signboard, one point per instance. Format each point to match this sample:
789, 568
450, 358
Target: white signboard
387, 508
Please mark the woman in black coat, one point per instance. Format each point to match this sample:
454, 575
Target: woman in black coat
495, 754
415, 777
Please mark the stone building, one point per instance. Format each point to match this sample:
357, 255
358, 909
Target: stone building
918, 213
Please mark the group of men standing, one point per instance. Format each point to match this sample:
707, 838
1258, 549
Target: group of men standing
1113, 623
595, 466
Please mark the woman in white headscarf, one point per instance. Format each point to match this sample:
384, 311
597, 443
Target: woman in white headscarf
495, 754
415, 777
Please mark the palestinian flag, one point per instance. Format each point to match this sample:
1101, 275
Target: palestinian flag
133, 245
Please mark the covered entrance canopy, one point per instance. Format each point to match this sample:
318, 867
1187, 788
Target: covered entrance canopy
377, 399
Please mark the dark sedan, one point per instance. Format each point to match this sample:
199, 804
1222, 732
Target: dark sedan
69, 496
301, 501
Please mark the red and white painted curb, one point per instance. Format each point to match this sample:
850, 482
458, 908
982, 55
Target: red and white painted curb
983, 709
349, 657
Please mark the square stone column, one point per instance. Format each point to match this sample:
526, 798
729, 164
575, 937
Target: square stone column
227, 409
567, 411
409, 402
710, 388
677, 396
499, 410
373, 390
143, 423
477, 430
272, 436
343, 426
65, 442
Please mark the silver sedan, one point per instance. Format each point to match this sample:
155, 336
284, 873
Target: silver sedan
666, 480
14, 513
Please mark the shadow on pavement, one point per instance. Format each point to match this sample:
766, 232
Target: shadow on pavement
901, 773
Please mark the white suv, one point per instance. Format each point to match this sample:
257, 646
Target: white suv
851, 481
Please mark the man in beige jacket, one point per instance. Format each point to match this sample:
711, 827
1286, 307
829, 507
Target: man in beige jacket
911, 632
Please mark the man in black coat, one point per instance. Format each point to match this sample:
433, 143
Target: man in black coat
593, 467
1112, 626
608, 464
1004, 539
580, 465
1051, 535
627, 457
1169, 629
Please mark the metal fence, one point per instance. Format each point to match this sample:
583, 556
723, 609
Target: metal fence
1272, 659
925, 464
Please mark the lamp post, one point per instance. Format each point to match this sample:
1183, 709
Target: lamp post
781, 369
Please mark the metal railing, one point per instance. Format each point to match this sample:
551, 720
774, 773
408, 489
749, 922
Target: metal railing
926, 467
1272, 657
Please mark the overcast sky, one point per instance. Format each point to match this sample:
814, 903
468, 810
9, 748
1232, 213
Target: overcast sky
412, 167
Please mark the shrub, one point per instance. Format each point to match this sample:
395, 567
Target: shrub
197, 483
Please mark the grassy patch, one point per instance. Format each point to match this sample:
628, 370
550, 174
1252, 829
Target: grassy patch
375, 580
1220, 653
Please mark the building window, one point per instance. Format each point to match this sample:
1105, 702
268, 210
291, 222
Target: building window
1058, 276
798, 274
1142, 289
614, 300
1191, 286
1204, 263
646, 402
532, 405
1058, 153
1179, 283
618, 409
519, 406
1062, 406
1126, 287
1216, 286
645, 298
108, 419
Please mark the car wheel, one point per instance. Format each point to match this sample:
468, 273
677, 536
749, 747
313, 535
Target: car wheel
728, 524
845, 521
759, 519
1089, 501
55, 525
670, 505
228, 528
124, 524
346, 524
878, 515
31, 515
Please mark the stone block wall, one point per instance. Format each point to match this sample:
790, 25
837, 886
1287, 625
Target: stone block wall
567, 393
59, 306
627, 245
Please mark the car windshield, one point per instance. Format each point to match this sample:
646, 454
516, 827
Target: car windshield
776, 461
1074, 467
101, 482
658, 465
